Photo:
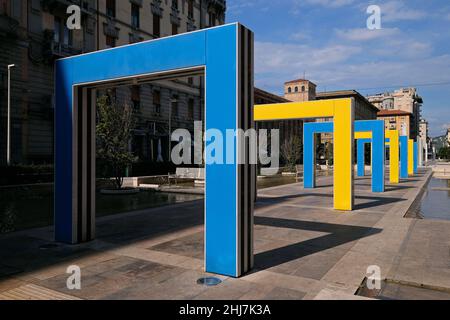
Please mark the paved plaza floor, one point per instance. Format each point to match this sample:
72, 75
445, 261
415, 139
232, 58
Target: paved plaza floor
303, 250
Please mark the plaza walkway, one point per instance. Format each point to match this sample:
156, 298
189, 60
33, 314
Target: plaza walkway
304, 250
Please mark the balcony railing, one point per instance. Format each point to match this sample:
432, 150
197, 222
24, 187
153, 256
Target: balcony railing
64, 50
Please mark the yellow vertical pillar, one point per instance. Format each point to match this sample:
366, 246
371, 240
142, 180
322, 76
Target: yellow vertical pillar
411, 157
394, 155
343, 155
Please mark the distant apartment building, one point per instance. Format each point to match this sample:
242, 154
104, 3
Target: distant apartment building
396, 120
425, 140
448, 137
33, 34
406, 100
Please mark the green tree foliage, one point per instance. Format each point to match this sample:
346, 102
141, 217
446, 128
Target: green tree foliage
329, 154
291, 151
115, 125
444, 153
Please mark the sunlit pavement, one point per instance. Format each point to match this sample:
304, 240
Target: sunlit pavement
303, 250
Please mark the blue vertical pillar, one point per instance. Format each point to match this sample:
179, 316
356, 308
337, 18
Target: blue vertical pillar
309, 157
378, 156
404, 157
361, 157
416, 157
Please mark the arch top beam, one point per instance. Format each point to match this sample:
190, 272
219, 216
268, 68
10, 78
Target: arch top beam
342, 110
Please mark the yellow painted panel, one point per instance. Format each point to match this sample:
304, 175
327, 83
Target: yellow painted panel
394, 152
297, 110
363, 135
410, 157
343, 156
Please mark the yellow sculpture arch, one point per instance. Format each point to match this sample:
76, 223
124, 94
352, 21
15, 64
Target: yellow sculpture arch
342, 110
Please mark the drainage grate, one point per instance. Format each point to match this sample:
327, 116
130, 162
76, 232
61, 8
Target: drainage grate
209, 281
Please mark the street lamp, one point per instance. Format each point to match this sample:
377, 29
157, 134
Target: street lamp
8, 135
172, 100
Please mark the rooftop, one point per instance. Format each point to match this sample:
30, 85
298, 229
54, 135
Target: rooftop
344, 94
269, 96
300, 80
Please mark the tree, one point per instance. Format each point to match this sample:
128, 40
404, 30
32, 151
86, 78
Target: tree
291, 151
329, 154
114, 131
444, 153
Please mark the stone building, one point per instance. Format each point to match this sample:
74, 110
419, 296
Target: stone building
300, 90
33, 34
287, 128
396, 120
448, 137
405, 99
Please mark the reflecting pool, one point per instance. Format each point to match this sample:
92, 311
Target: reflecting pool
436, 200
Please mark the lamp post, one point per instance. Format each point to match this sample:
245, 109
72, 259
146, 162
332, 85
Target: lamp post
173, 100
8, 135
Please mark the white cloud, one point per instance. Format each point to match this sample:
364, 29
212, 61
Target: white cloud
329, 3
397, 10
344, 66
273, 57
364, 34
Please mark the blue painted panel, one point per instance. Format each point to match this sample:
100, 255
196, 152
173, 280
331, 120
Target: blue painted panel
404, 157
221, 113
416, 157
178, 52
63, 151
361, 156
309, 151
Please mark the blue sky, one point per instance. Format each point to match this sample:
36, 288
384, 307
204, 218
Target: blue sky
329, 41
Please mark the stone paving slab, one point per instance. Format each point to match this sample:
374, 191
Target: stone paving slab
303, 250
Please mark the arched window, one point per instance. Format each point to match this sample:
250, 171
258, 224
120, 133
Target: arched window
303, 89
289, 90
296, 89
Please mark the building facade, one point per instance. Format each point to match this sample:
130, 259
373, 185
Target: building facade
300, 90
287, 129
406, 100
448, 137
364, 110
33, 34
396, 120
425, 140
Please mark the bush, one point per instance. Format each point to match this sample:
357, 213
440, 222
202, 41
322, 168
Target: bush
444, 153
26, 174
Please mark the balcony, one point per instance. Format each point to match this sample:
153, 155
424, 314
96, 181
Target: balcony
61, 5
9, 26
64, 50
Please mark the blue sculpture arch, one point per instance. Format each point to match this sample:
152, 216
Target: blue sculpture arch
378, 150
225, 53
